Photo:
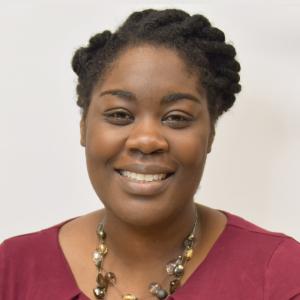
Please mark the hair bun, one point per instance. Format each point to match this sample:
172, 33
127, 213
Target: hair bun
194, 25
99, 40
79, 60
213, 34
84, 55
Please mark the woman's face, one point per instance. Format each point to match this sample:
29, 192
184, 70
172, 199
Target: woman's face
147, 134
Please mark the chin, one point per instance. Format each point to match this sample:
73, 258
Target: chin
145, 212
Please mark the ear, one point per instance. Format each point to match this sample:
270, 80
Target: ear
211, 138
82, 132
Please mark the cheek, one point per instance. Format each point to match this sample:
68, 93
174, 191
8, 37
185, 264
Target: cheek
191, 149
102, 145
191, 152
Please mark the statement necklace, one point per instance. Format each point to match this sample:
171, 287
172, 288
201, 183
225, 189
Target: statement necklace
174, 268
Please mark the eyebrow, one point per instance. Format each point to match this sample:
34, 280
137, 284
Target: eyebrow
170, 98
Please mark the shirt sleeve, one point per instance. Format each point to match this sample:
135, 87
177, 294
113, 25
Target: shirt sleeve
282, 277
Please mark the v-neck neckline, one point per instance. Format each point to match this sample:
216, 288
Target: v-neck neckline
213, 251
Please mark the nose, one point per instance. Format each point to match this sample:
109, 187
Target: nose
146, 137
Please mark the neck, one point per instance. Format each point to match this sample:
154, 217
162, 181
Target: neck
142, 245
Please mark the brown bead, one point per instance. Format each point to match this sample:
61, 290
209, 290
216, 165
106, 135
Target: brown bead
110, 277
102, 235
174, 284
100, 231
189, 241
101, 281
188, 244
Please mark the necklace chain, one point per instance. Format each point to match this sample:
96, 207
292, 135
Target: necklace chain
174, 268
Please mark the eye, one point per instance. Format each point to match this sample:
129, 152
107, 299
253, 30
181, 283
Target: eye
118, 117
177, 120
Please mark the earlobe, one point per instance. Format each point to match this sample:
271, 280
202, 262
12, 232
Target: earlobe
82, 132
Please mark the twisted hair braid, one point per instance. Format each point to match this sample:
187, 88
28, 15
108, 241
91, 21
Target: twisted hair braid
202, 47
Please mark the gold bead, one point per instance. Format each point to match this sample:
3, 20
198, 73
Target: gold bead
129, 297
102, 249
188, 254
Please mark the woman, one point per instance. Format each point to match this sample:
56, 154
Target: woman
151, 94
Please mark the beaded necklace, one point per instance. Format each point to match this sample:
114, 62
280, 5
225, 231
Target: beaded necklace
174, 268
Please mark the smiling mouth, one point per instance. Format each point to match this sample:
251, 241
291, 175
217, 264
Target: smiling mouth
144, 178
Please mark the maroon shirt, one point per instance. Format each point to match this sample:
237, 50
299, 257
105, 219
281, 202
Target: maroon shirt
246, 262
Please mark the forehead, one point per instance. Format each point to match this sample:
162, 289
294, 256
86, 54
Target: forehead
150, 68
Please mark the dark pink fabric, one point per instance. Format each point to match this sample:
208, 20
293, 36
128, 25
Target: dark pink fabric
246, 262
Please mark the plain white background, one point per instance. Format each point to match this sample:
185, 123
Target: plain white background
253, 170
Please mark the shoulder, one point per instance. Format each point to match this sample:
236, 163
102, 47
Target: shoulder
26, 259
277, 253
27, 246
30, 244
283, 270
33, 263
251, 233
23, 241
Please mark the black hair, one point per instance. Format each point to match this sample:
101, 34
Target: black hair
202, 47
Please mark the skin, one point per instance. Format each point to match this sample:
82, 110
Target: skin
129, 126
149, 138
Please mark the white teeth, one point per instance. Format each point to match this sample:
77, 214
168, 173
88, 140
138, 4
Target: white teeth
143, 177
